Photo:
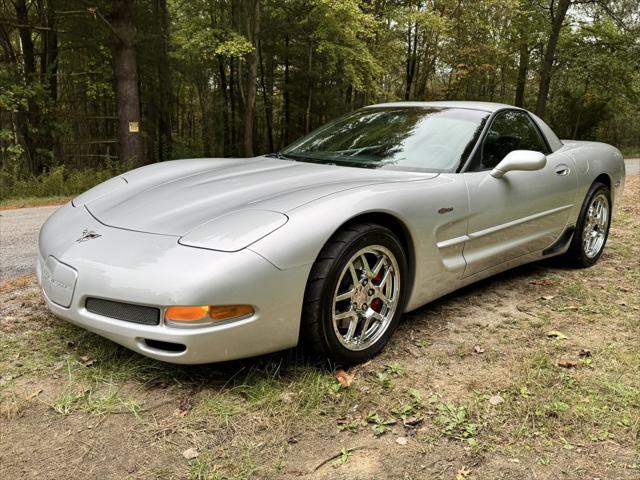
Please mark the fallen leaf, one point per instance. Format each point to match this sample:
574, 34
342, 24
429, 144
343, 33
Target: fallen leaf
547, 297
402, 440
478, 349
34, 394
183, 408
569, 307
412, 421
185, 403
413, 351
556, 334
463, 473
87, 361
344, 379
567, 364
190, 453
496, 400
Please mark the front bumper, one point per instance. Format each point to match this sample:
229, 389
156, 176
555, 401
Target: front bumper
154, 270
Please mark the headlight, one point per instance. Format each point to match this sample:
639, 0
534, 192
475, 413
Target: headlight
234, 231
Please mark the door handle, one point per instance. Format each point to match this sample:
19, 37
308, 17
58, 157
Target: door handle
563, 170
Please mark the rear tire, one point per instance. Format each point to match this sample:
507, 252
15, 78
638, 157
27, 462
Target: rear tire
355, 294
592, 229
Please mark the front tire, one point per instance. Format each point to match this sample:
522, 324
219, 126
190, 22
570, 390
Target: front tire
355, 294
592, 229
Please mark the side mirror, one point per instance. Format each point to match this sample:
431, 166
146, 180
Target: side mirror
519, 160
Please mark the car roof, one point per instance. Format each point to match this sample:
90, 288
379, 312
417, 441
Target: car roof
485, 106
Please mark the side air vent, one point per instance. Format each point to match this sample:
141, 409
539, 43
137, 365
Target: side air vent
124, 311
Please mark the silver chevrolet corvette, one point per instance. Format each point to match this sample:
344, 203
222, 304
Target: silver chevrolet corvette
329, 241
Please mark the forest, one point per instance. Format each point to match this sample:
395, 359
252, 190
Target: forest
89, 88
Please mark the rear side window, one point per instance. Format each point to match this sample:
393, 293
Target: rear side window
552, 139
510, 130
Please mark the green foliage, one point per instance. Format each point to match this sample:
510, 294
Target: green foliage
455, 421
58, 181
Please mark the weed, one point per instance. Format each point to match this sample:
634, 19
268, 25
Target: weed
380, 424
455, 421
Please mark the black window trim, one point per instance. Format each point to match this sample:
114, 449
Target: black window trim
476, 153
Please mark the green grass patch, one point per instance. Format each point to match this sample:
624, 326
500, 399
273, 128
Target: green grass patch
56, 183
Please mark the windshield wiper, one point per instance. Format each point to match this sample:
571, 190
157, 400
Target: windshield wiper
279, 156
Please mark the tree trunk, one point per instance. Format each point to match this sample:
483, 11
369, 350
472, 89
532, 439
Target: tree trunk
307, 114
557, 18
411, 59
251, 29
266, 98
523, 68
204, 124
232, 102
225, 111
125, 72
286, 130
164, 81
29, 118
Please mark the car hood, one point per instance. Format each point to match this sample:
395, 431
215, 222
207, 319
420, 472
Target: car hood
173, 198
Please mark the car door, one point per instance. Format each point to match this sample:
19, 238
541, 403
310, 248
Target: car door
522, 212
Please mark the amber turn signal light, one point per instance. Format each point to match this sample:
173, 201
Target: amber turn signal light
204, 313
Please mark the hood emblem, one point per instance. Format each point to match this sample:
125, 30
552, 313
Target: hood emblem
88, 235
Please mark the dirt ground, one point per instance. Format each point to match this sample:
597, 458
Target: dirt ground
532, 374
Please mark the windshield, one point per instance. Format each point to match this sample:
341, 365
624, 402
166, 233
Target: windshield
401, 138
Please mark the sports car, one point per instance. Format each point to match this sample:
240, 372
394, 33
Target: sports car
330, 240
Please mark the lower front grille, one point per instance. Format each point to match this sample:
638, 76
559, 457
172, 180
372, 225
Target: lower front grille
124, 311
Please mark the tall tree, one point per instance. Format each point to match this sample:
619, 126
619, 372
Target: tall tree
557, 13
249, 11
125, 72
164, 82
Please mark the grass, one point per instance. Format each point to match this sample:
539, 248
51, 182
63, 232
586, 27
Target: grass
11, 203
52, 186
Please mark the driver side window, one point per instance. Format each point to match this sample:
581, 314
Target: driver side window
510, 130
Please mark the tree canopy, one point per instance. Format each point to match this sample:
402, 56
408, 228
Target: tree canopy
89, 82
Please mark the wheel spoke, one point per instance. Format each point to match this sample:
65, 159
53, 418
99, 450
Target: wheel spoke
343, 315
385, 277
345, 295
354, 274
352, 328
382, 262
365, 265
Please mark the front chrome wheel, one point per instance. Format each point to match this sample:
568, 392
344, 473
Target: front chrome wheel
595, 226
366, 297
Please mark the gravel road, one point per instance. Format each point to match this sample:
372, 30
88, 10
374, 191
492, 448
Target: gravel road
19, 238
19, 233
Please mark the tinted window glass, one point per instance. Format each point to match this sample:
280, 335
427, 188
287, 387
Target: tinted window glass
402, 138
510, 131
552, 139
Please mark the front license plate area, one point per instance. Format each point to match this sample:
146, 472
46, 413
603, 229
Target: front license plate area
58, 281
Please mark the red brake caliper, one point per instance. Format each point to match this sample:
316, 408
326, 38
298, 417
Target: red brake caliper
376, 303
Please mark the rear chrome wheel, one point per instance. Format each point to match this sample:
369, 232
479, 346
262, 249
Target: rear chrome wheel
592, 228
596, 225
366, 297
355, 294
